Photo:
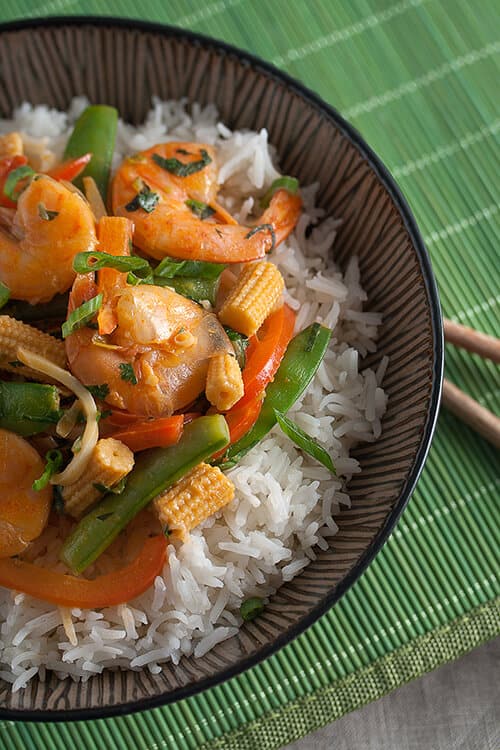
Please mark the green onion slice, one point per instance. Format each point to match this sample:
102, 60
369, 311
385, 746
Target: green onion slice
4, 294
12, 180
304, 441
290, 184
53, 462
189, 269
252, 608
182, 169
135, 279
81, 316
95, 260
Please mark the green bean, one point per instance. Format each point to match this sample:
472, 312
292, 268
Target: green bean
154, 471
28, 408
301, 360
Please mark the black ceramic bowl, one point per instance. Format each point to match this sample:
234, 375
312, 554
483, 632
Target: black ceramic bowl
124, 63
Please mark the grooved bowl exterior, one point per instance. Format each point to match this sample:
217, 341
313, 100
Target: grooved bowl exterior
124, 65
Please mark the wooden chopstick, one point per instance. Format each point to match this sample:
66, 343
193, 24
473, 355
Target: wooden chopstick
459, 403
469, 411
474, 341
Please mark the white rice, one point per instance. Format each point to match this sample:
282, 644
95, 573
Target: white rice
285, 502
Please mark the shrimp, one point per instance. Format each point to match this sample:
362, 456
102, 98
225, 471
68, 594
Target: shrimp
23, 511
172, 228
156, 360
50, 226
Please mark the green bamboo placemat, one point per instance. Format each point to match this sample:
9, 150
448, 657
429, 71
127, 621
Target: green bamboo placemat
420, 80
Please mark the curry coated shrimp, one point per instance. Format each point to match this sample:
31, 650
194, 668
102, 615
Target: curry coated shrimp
50, 226
24, 512
169, 192
156, 359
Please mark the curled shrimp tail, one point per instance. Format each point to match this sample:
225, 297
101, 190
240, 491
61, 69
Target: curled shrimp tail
282, 214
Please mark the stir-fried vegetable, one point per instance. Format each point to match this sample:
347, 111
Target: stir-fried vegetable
28, 408
188, 269
155, 433
154, 471
8, 165
290, 184
302, 358
240, 344
16, 181
304, 441
195, 280
105, 591
252, 608
151, 351
95, 133
70, 169
195, 289
98, 260
241, 418
53, 464
266, 351
115, 235
83, 315
193, 499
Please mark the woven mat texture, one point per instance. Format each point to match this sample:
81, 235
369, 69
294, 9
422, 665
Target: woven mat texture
419, 79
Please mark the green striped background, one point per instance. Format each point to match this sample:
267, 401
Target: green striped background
420, 81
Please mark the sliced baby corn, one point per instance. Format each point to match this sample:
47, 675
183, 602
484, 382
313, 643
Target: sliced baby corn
110, 462
255, 294
195, 497
224, 382
15, 334
11, 144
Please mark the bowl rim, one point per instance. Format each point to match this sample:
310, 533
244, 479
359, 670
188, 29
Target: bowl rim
383, 174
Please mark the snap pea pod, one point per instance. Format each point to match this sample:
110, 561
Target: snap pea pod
301, 360
195, 289
95, 133
154, 471
28, 408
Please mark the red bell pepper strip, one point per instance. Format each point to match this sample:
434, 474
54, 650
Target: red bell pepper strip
155, 433
7, 165
241, 418
70, 169
69, 591
265, 352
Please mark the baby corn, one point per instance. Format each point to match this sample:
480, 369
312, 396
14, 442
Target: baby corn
11, 144
111, 461
195, 497
15, 334
224, 382
255, 294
